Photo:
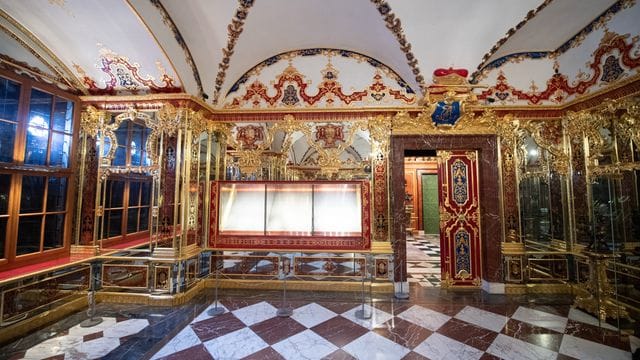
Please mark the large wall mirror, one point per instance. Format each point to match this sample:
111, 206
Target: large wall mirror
542, 188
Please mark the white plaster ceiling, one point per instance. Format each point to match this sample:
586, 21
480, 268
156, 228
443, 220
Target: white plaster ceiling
454, 33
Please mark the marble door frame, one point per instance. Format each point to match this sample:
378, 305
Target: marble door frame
491, 219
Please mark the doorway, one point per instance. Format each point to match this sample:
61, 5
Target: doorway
423, 232
484, 254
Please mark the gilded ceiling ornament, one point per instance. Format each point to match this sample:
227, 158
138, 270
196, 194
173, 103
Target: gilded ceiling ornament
166, 19
234, 30
123, 77
395, 26
483, 68
559, 87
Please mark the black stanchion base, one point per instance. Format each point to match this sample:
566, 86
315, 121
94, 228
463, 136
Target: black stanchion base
401, 295
284, 312
215, 311
363, 314
92, 321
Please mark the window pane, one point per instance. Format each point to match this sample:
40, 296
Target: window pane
145, 198
9, 99
3, 234
63, 115
132, 220
122, 133
32, 194
115, 223
120, 158
136, 144
56, 194
37, 142
29, 234
115, 192
134, 193
5, 187
60, 147
40, 108
146, 160
53, 231
7, 137
144, 219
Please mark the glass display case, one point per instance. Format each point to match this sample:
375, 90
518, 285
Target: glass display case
292, 215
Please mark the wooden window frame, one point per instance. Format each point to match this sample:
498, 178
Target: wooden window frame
18, 170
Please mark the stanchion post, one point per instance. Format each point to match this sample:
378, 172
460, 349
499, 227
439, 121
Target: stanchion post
215, 310
284, 310
362, 313
92, 320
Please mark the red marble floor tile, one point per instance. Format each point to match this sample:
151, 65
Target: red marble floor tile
18, 355
447, 309
293, 304
235, 304
560, 310
403, 332
277, 329
597, 334
198, 352
339, 331
502, 309
265, 354
565, 357
90, 337
55, 357
414, 356
487, 356
217, 326
540, 336
338, 307
468, 334
339, 355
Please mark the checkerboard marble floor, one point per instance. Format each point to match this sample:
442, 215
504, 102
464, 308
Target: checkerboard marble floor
432, 324
331, 330
423, 268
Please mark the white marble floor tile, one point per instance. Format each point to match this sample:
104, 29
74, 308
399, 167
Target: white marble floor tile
255, 313
53, 346
312, 314
304, 345
506, 347
378, 317
204, 316
440, 347
585, 349
540, 319
93, 349
578, 315
126, 328
235, 345
184, 340
374, 346
426, 318
482, 318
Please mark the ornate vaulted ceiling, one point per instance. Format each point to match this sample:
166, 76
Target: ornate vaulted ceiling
209, 48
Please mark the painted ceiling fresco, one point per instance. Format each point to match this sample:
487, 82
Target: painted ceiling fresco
252, 54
